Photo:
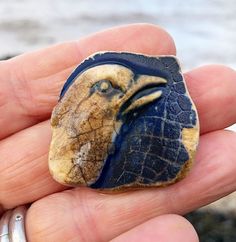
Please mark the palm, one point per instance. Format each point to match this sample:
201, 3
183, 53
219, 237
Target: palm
29, 88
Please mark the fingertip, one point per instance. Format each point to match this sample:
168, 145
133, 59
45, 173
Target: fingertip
181, 226
143, 38
159, 35
212, 88
168, 228
214, 70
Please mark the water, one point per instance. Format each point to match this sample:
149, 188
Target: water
204, 30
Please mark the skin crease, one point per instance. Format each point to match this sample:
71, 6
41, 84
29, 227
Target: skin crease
30, 87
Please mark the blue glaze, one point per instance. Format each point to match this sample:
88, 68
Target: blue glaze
148, 148
139, 64
131, 153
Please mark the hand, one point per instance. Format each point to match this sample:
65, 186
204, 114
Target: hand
29, 89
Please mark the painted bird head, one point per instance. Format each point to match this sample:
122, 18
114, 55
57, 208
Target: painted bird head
92, 108
111, 109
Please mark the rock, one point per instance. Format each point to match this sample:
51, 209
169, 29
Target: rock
123, 120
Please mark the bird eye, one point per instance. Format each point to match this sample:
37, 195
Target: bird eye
104, 86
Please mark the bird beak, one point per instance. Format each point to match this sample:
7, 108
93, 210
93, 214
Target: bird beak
145, 89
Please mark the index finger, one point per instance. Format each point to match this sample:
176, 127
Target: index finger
33, 81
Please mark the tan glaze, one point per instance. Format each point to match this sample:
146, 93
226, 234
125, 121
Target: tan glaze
84, 124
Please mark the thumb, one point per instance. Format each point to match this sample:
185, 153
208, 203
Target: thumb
165, 228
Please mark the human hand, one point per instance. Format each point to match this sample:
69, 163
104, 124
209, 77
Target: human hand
29, 90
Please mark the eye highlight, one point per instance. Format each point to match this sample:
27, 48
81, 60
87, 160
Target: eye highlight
104, 86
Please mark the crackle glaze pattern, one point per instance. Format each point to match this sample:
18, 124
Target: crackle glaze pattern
123, 120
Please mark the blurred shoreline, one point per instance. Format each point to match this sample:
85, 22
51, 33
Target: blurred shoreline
204, 30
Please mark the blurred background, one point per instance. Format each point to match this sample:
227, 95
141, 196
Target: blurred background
204, 32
